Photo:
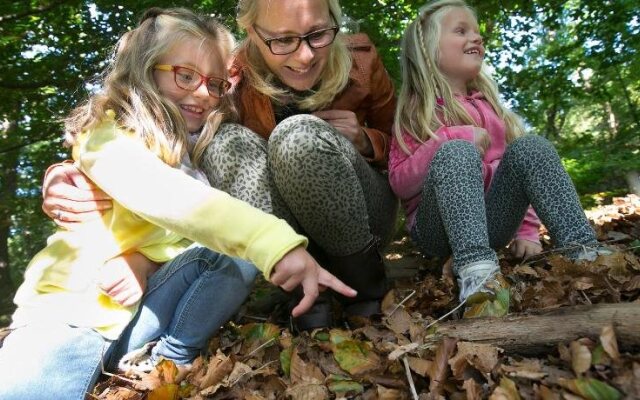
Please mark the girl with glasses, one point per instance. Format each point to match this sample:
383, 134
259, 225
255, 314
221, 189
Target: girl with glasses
141, 141
311, 144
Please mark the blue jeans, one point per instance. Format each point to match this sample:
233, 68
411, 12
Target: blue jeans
186, 301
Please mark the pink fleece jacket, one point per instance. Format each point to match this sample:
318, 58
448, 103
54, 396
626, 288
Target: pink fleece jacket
407, 173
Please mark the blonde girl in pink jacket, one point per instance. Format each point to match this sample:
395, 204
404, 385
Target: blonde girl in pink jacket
461, 164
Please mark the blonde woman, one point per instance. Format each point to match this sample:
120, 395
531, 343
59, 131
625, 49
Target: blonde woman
461, 164
81, 306
315, 115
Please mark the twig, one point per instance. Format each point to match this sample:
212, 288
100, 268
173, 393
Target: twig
131, 381
401, 303
259, 347
255, 317
252, 371
586, 297
461, 304
405, 361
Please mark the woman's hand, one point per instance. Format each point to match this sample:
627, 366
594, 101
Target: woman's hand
347, 123
70, 197
523, 248
481, 139
124, 278
297, 267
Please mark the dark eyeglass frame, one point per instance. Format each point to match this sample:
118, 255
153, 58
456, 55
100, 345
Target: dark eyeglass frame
268, 41
222, 84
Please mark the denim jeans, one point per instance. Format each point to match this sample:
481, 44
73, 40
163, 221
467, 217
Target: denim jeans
186, 301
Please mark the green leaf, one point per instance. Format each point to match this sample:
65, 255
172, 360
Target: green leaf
590, 389
285, 360
343, 385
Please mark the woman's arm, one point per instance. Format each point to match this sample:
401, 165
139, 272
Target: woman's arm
70, 197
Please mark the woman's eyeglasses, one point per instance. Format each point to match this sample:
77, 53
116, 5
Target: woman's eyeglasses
288, 44
188, 79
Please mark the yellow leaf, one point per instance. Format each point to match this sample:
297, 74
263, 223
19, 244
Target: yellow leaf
164, 392
580, 358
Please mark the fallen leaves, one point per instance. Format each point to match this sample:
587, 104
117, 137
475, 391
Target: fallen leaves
264, 361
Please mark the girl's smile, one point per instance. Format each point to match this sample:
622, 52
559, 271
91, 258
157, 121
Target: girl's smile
461, 52
194, 105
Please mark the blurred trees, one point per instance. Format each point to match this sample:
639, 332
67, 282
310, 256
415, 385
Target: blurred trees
570, 68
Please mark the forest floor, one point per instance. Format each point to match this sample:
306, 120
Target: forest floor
406, 353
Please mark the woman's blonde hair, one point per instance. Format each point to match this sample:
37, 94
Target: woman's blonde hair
426, 101
333, 78
129, 89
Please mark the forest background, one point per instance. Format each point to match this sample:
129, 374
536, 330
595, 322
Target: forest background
571, 69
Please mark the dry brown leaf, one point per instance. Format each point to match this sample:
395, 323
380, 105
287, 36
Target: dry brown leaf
164, 392
218, 368
472, 389
544, 393
527, 369
525, 270
609, 342
483, 357
420, 366
506, 391
580, 358
440, 366
399, 321
304, 372
385, 393
308, 391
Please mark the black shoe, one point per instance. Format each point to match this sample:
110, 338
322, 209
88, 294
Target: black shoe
364, 272
319, 315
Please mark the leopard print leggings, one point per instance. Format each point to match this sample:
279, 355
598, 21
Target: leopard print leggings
455, 217
311, 176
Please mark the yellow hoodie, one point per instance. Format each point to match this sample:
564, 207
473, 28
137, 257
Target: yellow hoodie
157, 211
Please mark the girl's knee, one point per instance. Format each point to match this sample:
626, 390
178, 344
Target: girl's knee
456, 152
530, 147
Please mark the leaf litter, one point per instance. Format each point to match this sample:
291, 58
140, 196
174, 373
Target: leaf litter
395, 356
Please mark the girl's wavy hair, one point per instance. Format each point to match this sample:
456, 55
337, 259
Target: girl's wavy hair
426, 100
334, 77
129, 89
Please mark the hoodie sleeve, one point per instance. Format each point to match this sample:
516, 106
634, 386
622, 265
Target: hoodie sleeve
136, 178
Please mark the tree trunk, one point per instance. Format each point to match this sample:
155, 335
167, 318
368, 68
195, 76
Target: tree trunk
541, 332
633, 180
8, 182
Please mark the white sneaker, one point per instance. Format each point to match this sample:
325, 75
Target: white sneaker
474, 277
590, 253
137, 361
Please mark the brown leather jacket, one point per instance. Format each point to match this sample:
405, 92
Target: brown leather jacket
369, 94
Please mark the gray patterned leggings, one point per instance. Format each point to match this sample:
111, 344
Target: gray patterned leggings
308, 174
455, 217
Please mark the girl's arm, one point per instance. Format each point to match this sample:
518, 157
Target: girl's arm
136, 178
408, 172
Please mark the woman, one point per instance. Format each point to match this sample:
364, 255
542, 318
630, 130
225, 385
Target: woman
315, 114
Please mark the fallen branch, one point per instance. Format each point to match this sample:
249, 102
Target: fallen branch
538, 332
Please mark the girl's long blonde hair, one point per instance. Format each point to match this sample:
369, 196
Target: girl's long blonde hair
332, 81
128, 87
426, 101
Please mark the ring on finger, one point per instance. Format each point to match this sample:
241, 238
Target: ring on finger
59, 214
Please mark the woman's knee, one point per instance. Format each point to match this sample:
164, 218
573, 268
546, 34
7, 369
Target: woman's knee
302, 135
237, 140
